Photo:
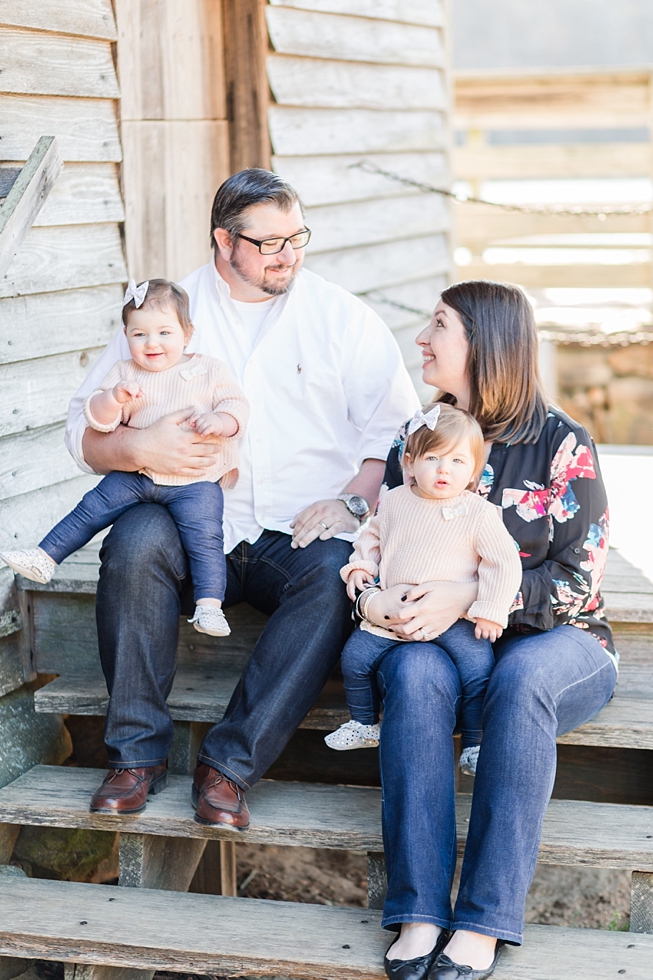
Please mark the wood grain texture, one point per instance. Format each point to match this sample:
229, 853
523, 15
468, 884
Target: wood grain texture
85, 193
11, 664
247, 91
39, 63
54, 323
158, 862
216, 872
486, 162
86, 129
171, 172
311, 132
641, 904
347, 85
333, 179
86, 971
374, 266
74, 922
427, 12
170, 57
27, 518
575, 833
67, 257
36, 393
34, 460
27, 196
342, 226
318, 35
89, 18
560, 276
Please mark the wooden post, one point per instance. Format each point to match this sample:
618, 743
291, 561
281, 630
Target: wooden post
27, 635
641, 902
186, 741
246, 49
27, 197
377, 879
216, 872
168, 863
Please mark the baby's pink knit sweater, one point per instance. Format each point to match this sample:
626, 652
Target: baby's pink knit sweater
414, 539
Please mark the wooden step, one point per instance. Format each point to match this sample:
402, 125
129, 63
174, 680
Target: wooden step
600, 835
157, 930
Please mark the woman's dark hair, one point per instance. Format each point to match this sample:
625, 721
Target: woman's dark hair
242, 191
506, 393
164, 295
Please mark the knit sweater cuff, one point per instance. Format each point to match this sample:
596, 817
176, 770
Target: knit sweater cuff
94, 424
365, 566
488, 610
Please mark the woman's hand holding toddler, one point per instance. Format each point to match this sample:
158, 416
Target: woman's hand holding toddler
487, 630
358, 580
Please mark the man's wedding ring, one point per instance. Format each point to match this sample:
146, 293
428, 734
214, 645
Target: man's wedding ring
325, 526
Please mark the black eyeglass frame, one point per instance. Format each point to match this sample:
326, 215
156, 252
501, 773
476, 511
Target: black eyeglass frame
276, 251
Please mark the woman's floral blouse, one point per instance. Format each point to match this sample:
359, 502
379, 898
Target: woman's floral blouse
554, 505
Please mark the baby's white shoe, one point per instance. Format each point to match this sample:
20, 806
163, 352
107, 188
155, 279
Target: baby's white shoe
211, 620
33, 564
469, 760
354, 735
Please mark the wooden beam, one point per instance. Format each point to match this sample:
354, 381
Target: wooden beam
27, 196
641, 903
246, 83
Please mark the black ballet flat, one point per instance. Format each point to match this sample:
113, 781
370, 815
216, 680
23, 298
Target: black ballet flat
444, 968
417, 968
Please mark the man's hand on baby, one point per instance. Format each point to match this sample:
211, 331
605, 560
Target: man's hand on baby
487, 630
357, 581
127, 391
208, 424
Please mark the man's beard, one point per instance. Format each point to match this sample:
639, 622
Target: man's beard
262, 282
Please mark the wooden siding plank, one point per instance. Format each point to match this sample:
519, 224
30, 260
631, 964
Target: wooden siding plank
375, 266
26, 197
11, 666
333, 180
427, 12
34, 460
486, 162
247, 91
347, 85
367, 223
88, 18
37, 63
86, 129
65, 258
85, 193
51, 323
36, 393
549, 276
26, 519
170, 174
178, 72
320, 35
311, 132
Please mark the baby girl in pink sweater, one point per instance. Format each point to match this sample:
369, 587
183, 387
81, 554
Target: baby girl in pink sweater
432, 528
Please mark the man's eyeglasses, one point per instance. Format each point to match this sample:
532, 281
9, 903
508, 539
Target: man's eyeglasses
273, 245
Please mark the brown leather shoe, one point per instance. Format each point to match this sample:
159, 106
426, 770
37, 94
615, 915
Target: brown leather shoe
218, 800
126, 790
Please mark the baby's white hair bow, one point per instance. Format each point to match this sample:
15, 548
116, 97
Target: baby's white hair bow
137, 293
419, 419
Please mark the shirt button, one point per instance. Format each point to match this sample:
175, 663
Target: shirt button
576, 551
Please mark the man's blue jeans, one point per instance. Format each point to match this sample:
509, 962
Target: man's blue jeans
543, 685
196, 509
473, 658
142, 591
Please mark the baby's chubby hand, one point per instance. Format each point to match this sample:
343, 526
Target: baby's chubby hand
487, 630
357, 581
127, 391
208, 424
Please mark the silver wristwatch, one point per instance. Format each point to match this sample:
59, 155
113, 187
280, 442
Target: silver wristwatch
357, 506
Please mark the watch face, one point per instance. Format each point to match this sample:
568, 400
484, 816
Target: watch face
358, 505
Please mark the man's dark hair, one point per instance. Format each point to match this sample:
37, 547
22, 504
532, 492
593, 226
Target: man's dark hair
242, 191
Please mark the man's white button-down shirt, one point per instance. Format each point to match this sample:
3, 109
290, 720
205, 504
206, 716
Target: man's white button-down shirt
326, 385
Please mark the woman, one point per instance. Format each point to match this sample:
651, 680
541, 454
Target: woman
555, 665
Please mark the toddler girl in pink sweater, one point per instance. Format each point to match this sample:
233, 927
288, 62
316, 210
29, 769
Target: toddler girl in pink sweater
159, 379
432, 528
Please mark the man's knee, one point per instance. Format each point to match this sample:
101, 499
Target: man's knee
144, 536
323, 561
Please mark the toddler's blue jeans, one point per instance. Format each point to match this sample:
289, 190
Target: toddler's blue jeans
196, 509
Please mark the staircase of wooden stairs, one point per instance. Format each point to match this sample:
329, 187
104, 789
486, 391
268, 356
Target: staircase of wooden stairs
152, 922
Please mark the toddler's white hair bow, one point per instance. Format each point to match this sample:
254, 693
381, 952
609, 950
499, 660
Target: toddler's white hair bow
419, 419
137, 293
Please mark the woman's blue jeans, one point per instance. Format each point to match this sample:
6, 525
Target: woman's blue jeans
543, 685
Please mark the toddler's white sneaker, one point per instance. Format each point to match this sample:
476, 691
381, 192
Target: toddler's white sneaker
33, 564
211, 620
469, 760
354, 735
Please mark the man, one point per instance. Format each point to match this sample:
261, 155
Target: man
327, 391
